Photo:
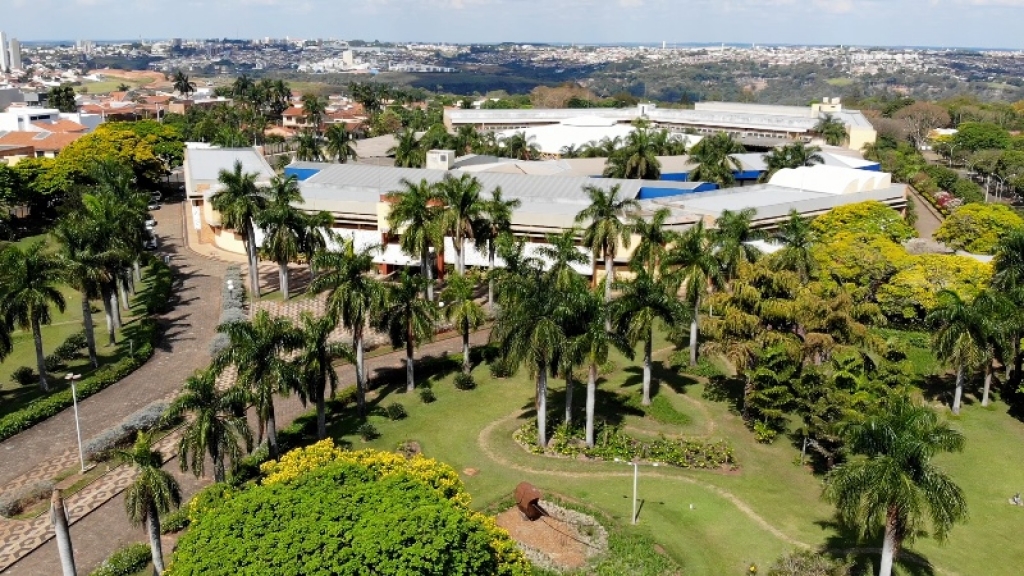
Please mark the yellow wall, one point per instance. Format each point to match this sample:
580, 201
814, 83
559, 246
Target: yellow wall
861, 136
229, 241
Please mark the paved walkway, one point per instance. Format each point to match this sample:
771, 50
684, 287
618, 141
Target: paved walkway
928, 218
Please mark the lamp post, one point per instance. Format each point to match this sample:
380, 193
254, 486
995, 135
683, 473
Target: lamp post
636, 478
72, 377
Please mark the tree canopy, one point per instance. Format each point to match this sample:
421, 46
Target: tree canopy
977, 228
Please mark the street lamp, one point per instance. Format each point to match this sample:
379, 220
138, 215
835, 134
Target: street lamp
636, 477
72, 377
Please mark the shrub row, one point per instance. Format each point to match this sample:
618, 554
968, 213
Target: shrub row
232, 304
611, 442
161, 279
120, 436
125, 562
147, 333
15, 501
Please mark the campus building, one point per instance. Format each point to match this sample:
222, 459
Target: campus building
357, 197
759, 125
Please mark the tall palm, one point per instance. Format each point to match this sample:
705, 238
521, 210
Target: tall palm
637, 159
531, 329
353, 298
797, 238
561, 253
407, 150
29, 288
466, 139
593, 344
339, 144
240, 204
518, 146
415, 212
832, 130
461, 212
283, 226
462, 310
644, 300
257, 352
153, 492
696, 271
309, 147
85, 267
182, 84
732, 233
315, 363
1008, 278
315, 231
314, 107
653, 239
892, 483
496, 226
959, 337
790, 156
606, 228
215, 424
408, 319
714, 160
100, 215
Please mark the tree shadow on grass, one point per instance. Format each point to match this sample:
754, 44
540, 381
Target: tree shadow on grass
728, 389
941, 388
844, 541
609, 407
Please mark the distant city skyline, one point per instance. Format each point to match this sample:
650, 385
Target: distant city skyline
935, 23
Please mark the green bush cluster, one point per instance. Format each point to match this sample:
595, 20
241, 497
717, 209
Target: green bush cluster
660, 410
368, 431
611, 442
395, 411
464, 381
175, 521
23, 375
71, 347
161, 279
427, 395
125, 562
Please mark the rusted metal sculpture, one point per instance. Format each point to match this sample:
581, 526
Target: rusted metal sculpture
528, 501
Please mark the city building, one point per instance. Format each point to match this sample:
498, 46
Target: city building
758, 125
5, 59
14, 56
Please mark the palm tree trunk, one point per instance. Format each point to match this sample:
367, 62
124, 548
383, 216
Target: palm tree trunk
218, 461
490, 274
888, 546
321, 409
60, 526
360, 383
1018, 362
609, 271
693, 332
138, 270
90, 335
591, 401
114, 310
282, 271
467, 367
959, 390
410, 380
250, 249
427, 291
123, 295
648, 345
154, 540
542, 406
988, 383
272, 430
429, 265
111, 331
37, 338
460, 258
568, 396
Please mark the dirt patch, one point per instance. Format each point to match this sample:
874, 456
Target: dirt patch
470, 472
563, 540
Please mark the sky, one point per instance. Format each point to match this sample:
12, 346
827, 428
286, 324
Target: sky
942, 23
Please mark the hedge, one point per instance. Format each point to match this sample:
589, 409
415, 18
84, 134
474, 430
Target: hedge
125, 562
146, 332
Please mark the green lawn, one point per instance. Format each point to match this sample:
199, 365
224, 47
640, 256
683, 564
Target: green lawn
710, 522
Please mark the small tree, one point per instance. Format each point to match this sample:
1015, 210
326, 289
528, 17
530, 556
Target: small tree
152, 493
462, 310
408, 319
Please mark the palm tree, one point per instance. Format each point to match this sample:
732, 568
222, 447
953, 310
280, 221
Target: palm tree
283, 226
153, 492
638, 159
408, 319
28, 289
340, 144
790, 156
309, 148
242, 88
518, 146
593, 345
893, 484
961, 330
1009, 280
257, 352
315, 363
731, 236
495, 227
696, 271
182, 84
240, 204
653, 239
407, 150
714, 160
606, 228
561, 253
644, 300
314, 107
215, 424
86, 269
466, 139
353, 298
414, 214
832, 130
461, 212
462, 310
797, 238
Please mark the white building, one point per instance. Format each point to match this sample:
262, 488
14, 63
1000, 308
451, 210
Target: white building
5, 59
15, 55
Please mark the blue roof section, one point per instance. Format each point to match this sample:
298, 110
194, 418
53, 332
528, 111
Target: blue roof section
301, 173
649, 192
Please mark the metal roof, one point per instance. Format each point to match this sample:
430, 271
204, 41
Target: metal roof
206, 163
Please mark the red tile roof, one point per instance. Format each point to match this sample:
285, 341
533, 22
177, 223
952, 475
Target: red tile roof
42, 141
61, 126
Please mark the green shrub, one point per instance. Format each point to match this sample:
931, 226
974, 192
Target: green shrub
464, 381
125, 562
14, 502
501, 368
161, 279
661, 410
72, 345
395, 411
764, 433
427, 395
808, 563
368, 432
53, 363
175, 521
24, 375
